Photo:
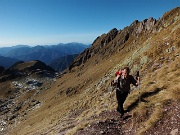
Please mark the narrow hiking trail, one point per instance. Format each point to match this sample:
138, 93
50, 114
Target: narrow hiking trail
170, 123
108, 123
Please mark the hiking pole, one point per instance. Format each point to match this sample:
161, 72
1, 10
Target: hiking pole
139, 90
138, 79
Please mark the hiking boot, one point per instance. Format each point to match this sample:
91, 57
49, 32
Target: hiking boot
118, 110
122, 116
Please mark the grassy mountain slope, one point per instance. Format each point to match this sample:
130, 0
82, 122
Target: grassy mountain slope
80, 96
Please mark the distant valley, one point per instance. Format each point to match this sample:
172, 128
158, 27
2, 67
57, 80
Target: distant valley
46, 53
6, 61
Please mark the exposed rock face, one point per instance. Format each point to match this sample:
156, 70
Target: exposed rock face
146, 25
109, 37
81, 58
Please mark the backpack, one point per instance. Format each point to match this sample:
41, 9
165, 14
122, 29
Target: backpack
114, 82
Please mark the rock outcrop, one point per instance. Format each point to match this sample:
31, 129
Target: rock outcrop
146, 25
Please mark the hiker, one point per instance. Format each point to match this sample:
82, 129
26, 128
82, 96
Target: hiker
122, 84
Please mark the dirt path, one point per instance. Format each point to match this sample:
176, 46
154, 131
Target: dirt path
110, 123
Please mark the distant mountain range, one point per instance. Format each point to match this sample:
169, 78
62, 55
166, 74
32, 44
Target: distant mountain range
5, 50
45, 53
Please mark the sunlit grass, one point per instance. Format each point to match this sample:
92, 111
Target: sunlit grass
74, 112
148, 112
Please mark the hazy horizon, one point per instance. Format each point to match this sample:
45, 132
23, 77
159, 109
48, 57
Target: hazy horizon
42, 44
47, 22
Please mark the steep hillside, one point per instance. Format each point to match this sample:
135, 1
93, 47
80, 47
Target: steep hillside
62, 63
80, 102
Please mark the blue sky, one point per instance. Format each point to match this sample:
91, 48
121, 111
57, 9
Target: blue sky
45, 22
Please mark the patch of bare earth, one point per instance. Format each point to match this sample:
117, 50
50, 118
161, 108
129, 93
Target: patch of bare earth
110, 123
170, 123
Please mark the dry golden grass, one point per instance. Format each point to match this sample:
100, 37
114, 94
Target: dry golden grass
150, 112
78, 127
60, 112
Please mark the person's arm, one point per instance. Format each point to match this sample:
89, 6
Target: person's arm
115, 81
138, 77
133, 81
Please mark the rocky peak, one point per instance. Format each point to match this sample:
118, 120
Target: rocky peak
109, 36
134, 23
146, 25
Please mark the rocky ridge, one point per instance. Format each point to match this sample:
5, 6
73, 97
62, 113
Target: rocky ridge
103, 46
108, 44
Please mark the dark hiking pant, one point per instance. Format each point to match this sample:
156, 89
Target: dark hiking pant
121, 97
